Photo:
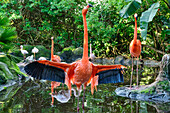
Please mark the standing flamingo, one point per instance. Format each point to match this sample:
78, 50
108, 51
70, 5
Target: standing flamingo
54, 58
23, 51
81, 72
135, 49
34, 50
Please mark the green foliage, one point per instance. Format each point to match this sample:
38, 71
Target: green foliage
152, 30
110, 34
130, 8
7, 34
164, 85
7, 61
147, 17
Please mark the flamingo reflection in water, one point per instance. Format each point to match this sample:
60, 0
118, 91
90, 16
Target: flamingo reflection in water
63, 96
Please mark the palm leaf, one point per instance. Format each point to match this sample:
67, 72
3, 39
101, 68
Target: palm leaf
4, 21
130, 8
147, 17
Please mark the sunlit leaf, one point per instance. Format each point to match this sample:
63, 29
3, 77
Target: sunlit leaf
133, 0
129, 9
146, 17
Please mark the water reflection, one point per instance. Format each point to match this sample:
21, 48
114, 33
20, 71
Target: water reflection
33, 96
63, 96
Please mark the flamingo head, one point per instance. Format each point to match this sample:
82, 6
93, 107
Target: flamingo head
84, 11
135, 16
52, 38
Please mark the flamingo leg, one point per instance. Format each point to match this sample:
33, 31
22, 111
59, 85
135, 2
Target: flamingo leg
78, 101
83, 99
52, 90
131, 74
137, 73
34, 56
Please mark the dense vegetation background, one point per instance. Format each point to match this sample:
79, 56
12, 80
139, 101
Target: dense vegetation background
110, 34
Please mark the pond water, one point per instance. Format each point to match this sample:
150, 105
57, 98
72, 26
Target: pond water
33, 97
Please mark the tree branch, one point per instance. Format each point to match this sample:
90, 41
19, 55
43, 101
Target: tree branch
158, 51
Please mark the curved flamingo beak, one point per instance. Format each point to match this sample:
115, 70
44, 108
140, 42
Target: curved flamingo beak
90, 5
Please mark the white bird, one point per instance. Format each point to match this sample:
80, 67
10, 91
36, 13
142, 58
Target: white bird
35, 50
23, 51
42, 58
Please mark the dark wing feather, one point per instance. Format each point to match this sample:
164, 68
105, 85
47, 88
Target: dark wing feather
110, 76
45, 72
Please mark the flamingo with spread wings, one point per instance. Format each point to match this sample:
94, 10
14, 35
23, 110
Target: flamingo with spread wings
81, 72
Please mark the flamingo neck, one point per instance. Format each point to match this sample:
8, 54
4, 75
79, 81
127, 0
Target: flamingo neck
85, 45
90, 49
76, 95
135, 31
52, 47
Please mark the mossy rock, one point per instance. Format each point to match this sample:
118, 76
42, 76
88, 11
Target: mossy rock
71, 54
43, 52
78, 51
71, 48
66, 56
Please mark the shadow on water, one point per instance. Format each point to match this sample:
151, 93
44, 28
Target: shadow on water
33, 97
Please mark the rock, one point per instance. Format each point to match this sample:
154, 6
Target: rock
98, 61
107, 61
165, 66
66, 56
119, 60
70, 54
134, 94
21, 66
78, 51
151, 63
128, 62
158, 91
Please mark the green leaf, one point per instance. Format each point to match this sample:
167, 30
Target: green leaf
1, 31
5, 69
144, 27
146, 17
129, 9
135, 0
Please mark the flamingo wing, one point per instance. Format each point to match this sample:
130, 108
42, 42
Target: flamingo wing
47, 70
109, 73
